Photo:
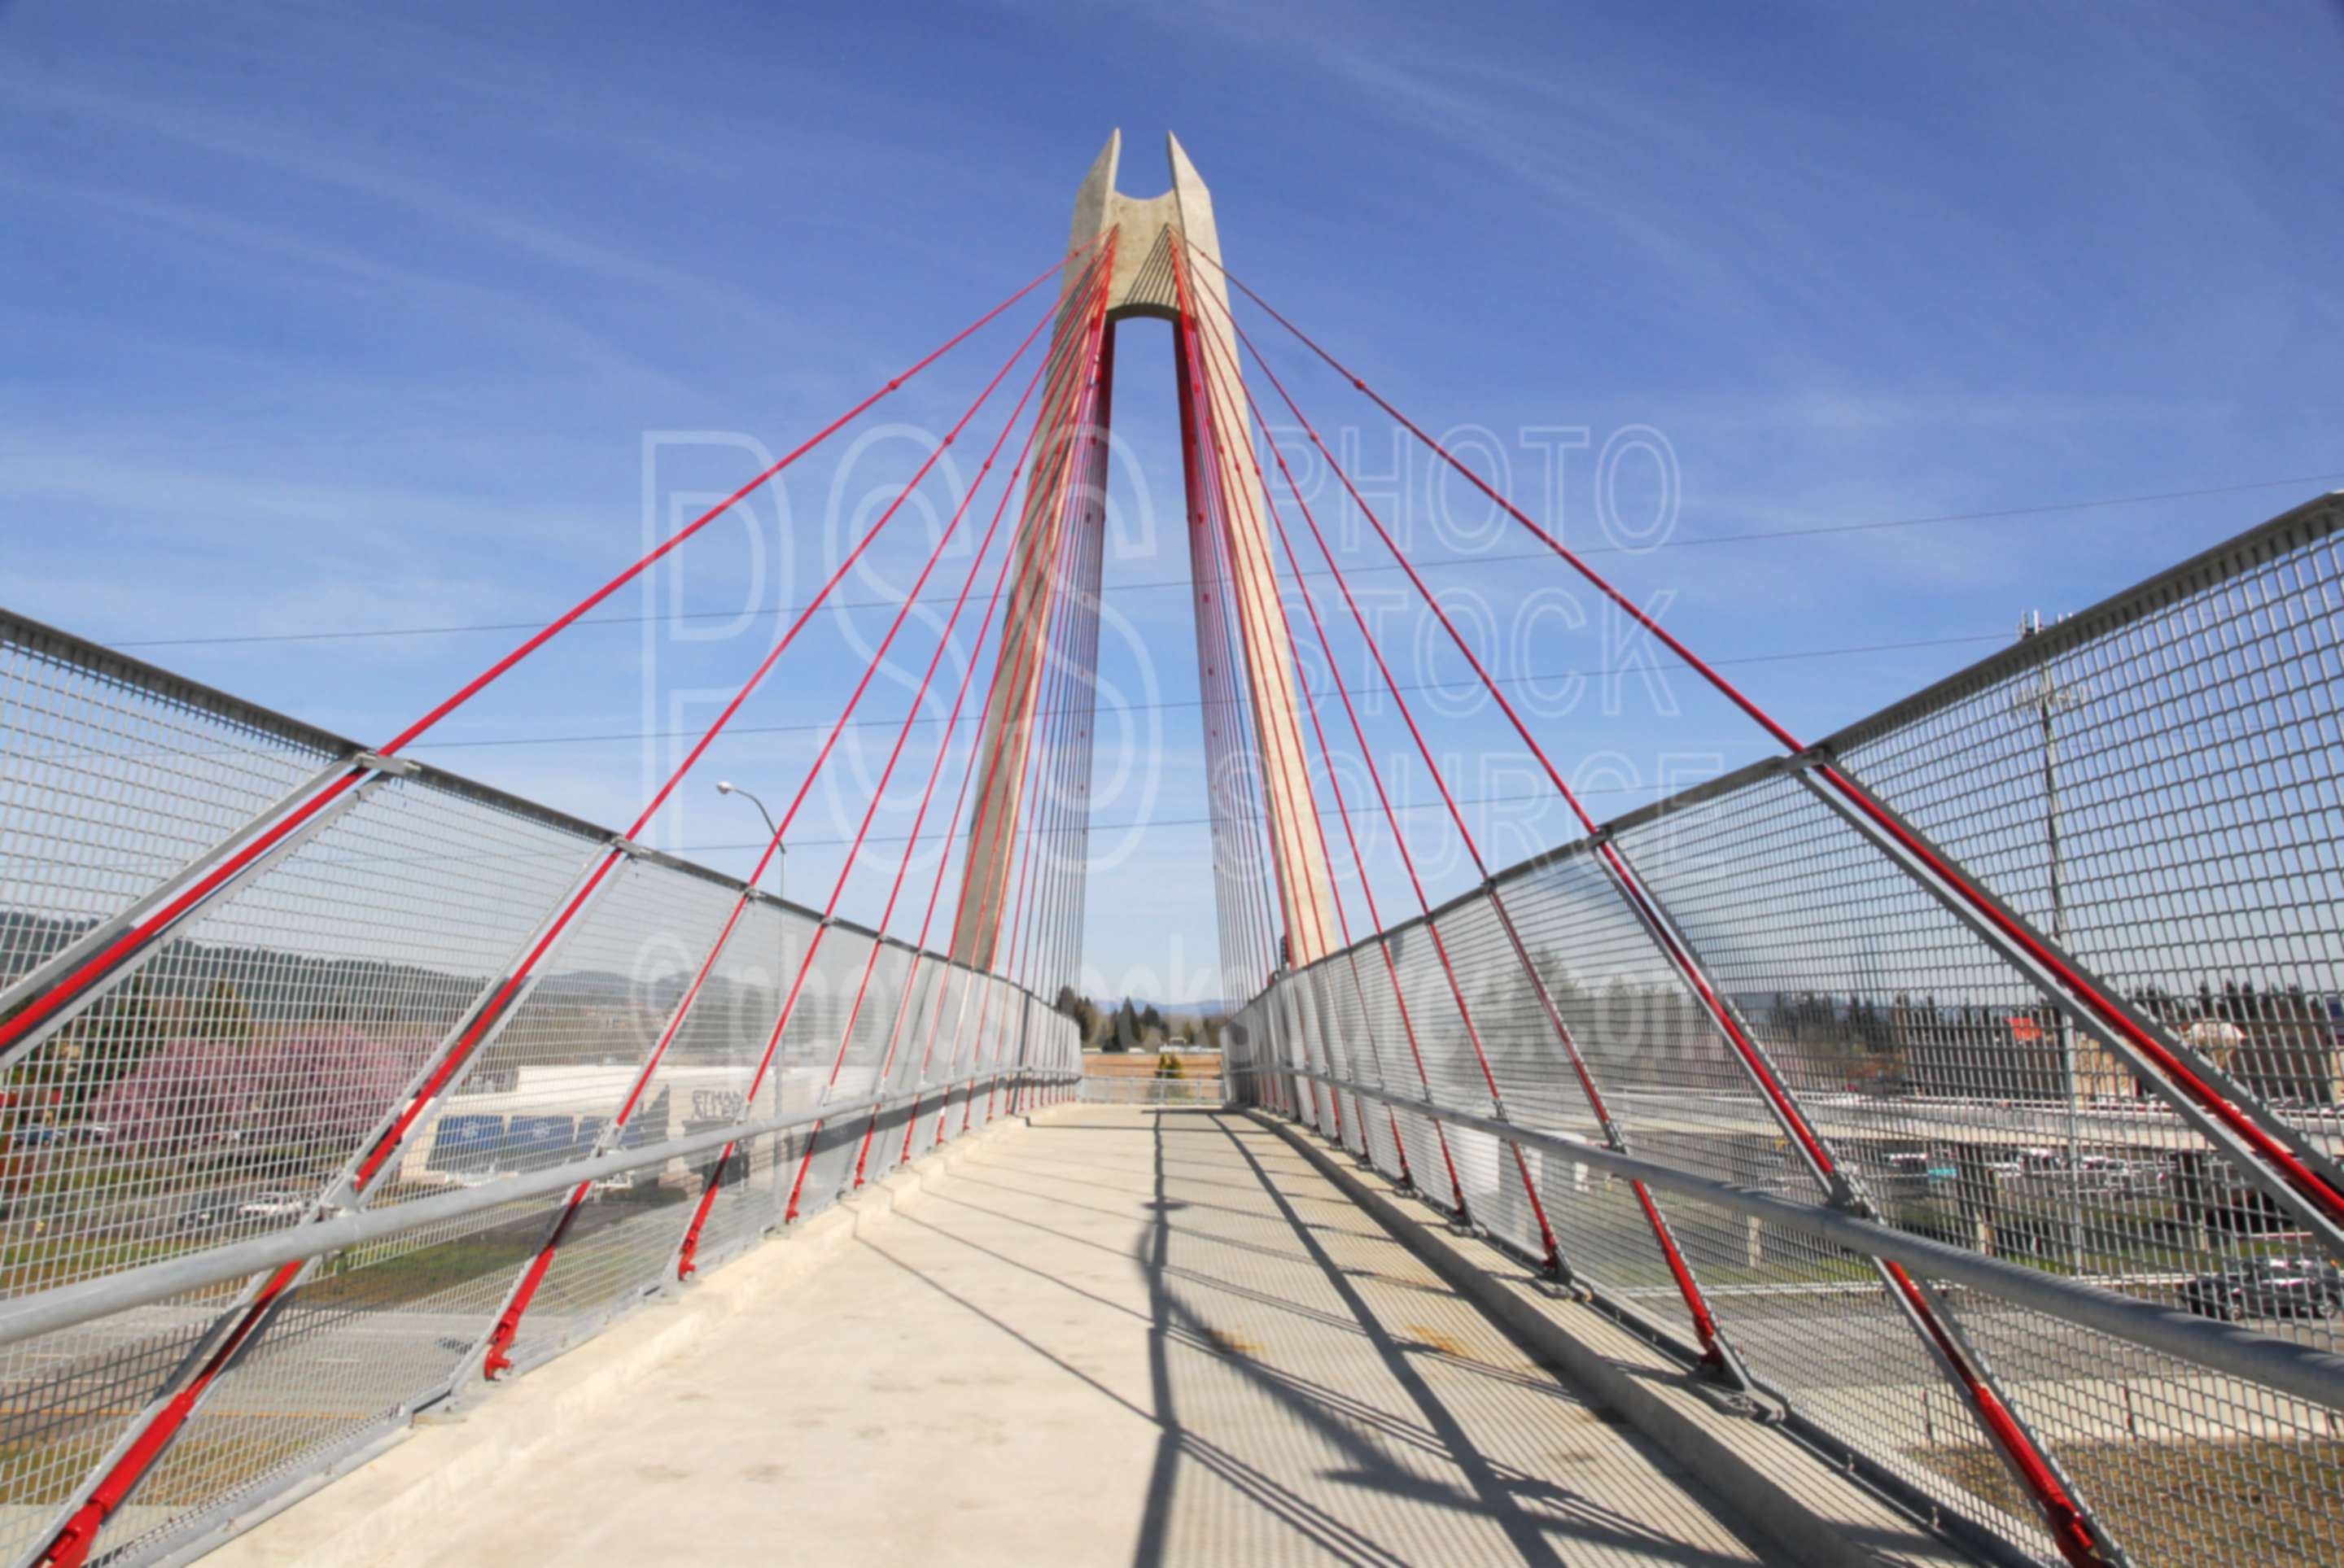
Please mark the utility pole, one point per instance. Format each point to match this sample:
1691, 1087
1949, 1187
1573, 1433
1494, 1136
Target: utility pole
2046, 699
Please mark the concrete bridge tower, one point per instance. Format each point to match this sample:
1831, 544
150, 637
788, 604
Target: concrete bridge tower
1144, 285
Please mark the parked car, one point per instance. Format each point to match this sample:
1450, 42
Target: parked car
274, 1206
2268, 1288
2030, 1162
2121, 1175
1914, 1167
211, 1212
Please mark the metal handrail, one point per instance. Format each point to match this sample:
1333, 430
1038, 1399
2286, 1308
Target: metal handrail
2300, 1371
48, 1311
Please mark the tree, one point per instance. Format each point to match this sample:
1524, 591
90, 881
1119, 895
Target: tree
1080, 1009
185, 1091
324, 1084
103, 1046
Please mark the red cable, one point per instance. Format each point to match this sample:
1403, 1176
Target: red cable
1228, 910
1044, 798
1433, 928
1696, 1304
2309, 1182
1051, 365
936, 771
2065, 1521
508, 1324
1052, 939
1060, 474
1350, 835
1020, 849
1249, 814
1342, 916
1237, 719
1033, 765
1217, 542
1065, 958
1031, 649
137, 937
72, 1544
1366, 884
1255, 627
1083, 541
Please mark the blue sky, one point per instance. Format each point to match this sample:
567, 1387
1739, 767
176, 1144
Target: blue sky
326, 322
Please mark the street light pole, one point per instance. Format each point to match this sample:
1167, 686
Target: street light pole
2045, 698
781, 858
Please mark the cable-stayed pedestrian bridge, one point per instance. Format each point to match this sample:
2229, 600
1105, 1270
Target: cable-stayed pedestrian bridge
1919, 1146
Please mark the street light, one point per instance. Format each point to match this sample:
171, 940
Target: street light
726, 786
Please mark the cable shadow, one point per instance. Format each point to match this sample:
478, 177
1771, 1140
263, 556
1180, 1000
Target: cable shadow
1334, 1536
1496, 1490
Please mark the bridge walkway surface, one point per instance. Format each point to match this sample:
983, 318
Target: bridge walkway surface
1105, 1335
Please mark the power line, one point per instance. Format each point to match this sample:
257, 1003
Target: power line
1821, 530
1545, 792
1466, 686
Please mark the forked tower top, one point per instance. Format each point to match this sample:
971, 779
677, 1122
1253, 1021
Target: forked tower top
1152, 225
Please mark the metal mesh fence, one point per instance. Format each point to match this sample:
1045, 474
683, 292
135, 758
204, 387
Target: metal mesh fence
113, 778
425, 992
2153, 786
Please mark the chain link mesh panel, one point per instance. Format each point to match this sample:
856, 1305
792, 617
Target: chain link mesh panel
2154, 786
112, 777
223, 1083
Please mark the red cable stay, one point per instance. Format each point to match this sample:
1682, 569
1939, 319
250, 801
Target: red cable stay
71, 1547
1716, 1352
1035, 935
2299, 1166
1399, 998
496, 1357
1016, 660
1021, 662
1424, 905
2072, 1528
846, 1031
1026, 846
17, 1032
1246, 919
927, 794
1280, 745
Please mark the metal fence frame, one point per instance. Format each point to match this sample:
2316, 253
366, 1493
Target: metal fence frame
1674, 922
373, 943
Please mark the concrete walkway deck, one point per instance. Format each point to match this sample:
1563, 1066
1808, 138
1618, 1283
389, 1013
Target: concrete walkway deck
1108, 1337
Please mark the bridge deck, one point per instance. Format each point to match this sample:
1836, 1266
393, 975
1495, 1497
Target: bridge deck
1112, 1336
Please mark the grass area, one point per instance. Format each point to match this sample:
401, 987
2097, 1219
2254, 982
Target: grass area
2171, 1504
401, 1279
